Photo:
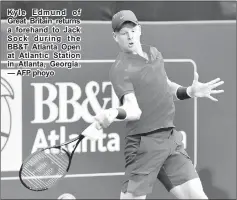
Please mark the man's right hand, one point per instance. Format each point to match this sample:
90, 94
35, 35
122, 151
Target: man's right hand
106, 117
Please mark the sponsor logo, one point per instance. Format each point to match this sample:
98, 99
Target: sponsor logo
6, 113
62, 108
11, 121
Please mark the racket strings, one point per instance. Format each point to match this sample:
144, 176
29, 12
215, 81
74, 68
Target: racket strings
44, 168
33, 181
62, 163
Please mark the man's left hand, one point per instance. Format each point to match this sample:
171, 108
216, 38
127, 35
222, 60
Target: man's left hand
198, 89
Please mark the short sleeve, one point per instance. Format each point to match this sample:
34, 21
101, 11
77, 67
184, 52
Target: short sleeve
120, 80
156, 55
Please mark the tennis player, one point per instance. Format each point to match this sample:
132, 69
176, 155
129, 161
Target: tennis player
153, 148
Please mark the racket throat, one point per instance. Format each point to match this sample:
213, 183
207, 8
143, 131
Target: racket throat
81, 137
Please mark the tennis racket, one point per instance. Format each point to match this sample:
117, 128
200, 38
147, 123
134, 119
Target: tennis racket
44, 168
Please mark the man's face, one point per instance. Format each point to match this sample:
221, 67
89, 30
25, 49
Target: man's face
128, 37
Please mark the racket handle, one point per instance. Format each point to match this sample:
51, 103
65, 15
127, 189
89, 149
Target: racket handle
92, 132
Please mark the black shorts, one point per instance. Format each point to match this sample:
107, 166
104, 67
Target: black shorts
159, 154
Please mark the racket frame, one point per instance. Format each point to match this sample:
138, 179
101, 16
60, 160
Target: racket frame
70, 155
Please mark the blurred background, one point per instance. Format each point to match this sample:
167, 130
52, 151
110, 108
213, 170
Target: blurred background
190, 35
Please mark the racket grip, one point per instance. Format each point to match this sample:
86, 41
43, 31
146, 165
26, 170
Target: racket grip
92, 132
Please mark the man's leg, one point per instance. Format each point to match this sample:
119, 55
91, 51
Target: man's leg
191, 189
180, 178
144, 155
178, 173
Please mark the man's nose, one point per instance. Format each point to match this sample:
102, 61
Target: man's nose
130, 35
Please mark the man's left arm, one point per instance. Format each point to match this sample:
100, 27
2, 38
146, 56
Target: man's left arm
173, 88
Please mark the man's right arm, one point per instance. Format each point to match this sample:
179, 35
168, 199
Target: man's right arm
131, 107
123, 87
129, 111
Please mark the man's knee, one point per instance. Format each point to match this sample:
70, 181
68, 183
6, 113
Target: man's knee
190, 194
189, 190
128, 195
194, 194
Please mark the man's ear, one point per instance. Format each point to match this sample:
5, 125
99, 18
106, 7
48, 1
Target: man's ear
115, 36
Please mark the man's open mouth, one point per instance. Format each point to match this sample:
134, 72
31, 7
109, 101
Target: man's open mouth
130, 44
